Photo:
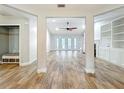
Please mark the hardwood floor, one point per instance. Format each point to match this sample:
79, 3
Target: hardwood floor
65, 71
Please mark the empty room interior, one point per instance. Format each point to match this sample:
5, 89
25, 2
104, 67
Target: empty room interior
61, 46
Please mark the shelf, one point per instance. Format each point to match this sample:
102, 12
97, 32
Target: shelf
106, 37
117, 26
106, 31
118, 40
106, 27
118, 33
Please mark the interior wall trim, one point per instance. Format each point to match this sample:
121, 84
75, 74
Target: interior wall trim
42, 70
92, 71
27, 63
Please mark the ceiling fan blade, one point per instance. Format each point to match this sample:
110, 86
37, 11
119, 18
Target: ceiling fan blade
62, 28
69, 29
73, 28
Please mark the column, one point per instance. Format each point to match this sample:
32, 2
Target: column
41, 48
89, 66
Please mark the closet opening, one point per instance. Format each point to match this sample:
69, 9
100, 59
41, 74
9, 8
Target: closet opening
9, 44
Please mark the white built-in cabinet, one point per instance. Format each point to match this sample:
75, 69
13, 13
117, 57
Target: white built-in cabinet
111, 47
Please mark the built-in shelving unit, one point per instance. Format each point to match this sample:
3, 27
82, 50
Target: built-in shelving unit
106, 35
112, 34
111, 46
118, 33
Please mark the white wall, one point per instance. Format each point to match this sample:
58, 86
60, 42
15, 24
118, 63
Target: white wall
97, 33
13, 40
48, 41
32, 40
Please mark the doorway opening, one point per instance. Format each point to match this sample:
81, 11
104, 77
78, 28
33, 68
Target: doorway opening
65, 34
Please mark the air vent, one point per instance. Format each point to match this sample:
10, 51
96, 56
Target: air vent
61, 5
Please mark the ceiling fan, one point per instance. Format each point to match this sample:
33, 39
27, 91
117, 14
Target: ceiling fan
69, 28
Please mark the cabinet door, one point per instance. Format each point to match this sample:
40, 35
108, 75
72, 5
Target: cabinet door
114, 56
101, 53
107, 53
104, 53
121, 58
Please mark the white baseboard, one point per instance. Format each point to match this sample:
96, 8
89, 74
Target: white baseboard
27, 63
33, 60
42, 70
92, 71
120, 65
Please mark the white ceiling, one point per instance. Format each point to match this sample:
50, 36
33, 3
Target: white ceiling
6, 10
110, 15
9, 10
85, 8
54, 25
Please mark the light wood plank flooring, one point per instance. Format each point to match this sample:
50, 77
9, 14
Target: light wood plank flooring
65, 71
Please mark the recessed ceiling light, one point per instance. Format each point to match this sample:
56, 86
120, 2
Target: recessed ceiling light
53, 20
57, 29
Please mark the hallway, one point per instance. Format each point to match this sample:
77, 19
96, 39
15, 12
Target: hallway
65, 70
